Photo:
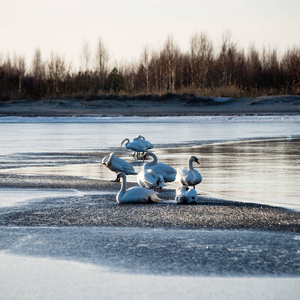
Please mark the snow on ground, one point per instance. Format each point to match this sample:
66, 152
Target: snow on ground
33, 278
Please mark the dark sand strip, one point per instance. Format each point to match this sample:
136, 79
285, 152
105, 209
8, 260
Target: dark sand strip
103, 210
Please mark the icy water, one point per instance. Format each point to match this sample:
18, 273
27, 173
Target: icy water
254, 158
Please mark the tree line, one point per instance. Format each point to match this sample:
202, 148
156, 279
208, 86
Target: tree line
201, 70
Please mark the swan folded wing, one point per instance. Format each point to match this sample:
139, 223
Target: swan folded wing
183, 176
165, 170
120, 165
147, 179
138, 194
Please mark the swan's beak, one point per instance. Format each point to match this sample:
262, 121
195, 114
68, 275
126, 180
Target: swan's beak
197, 161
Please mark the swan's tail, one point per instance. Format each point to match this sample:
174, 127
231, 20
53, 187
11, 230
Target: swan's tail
154, 198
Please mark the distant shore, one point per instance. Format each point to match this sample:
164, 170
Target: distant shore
152, 105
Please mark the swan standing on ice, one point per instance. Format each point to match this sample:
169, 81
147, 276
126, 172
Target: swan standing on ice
150, 179
135, 145
142, 140
190, 176
186, 196
165, 170
135, 194
118, 165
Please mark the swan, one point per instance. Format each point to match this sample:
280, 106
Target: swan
190, 176
186, 196
135, 194
165, 170
118, 165
142, 140
181, 194
136, 146
150, 179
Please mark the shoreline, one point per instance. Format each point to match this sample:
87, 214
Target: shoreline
175, 105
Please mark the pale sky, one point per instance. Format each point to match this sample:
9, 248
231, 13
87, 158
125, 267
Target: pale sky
127, 26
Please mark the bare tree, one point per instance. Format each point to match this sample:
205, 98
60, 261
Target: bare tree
170, 54
37, 66
57, 72
85, 57
101, 59
145, 67
20, 67
201, 59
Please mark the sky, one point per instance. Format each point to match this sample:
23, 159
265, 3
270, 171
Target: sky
126, 27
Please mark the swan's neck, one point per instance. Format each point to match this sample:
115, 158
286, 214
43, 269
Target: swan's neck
123, 187
152, 162
191, 168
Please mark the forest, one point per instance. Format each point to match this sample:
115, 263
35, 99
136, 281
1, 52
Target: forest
204, 70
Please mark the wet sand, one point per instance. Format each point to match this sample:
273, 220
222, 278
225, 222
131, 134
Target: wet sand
103, 210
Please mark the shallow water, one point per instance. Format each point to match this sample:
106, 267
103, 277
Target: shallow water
254, 159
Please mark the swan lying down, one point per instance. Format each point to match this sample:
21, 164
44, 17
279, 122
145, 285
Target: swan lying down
184, 195
135, 194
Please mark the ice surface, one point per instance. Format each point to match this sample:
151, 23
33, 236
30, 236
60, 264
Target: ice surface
144, 119
23, 277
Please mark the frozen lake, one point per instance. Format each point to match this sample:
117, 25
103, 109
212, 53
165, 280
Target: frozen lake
253, 159
245, 158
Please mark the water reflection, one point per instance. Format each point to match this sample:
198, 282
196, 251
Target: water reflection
257, 171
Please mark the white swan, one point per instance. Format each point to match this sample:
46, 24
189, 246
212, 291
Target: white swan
150, 179
186, 196
190, 176
165, 170
181, 194
135, 194
142, 140
118, 165
135, 146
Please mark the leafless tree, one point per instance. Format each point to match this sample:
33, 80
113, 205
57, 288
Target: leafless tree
169, 55
201, 59
57, 72
85, 57
20, 67
101, 60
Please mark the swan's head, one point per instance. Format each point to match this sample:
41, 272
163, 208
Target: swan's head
192, 196
139, 137
149, 154
195, 159
108, 159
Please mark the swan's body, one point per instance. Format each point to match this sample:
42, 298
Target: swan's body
118, 165
141, 139
150, 179
190, 176
168, 172
186, 196
135, 194
135, 146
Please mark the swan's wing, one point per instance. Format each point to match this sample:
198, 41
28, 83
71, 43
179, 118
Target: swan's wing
136, 146
183, 176
197, 178
120, 165
165, 170
138, 194
146, 179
